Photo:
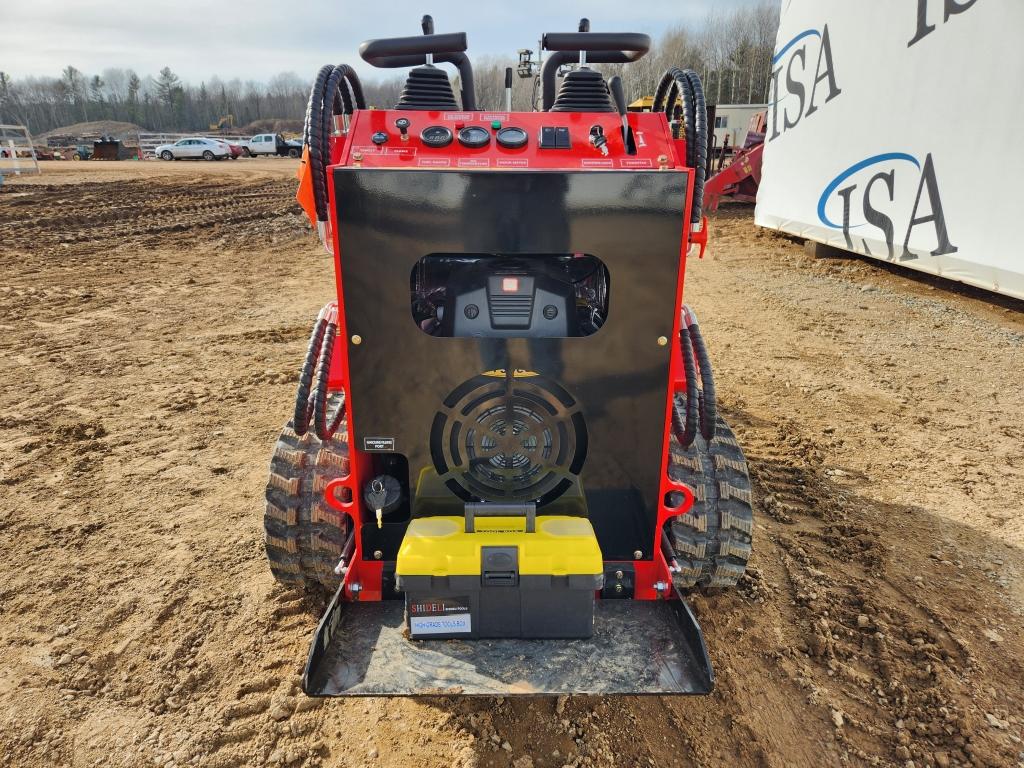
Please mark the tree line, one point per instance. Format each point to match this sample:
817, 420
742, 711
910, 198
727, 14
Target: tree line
732, 51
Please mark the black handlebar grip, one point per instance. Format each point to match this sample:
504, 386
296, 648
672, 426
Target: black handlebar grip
584, 25
633, 42
427, 24
508, 77
452, 42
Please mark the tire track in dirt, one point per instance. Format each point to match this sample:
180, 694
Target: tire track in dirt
148, 370
58, 216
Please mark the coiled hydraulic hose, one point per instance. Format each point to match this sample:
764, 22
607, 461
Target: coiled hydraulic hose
326, 419
311, 400
303, 402
708, 401
707, 405
336, 90
684, 86
686, 429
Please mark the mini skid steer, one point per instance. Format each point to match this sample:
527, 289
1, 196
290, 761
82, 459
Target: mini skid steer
505, 460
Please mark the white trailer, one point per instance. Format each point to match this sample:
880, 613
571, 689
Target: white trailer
880, 139
731, 121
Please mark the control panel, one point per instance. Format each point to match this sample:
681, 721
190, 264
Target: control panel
509, 141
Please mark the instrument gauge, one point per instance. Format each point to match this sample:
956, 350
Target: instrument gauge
512, 137
474, 137
436, 136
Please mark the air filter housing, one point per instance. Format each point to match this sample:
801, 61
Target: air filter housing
427, 87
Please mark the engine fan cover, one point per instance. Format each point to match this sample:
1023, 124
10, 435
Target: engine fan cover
501, 437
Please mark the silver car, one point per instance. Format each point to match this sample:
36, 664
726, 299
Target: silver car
194, 147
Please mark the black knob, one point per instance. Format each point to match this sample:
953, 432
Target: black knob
402, 124
471, 311
379, 137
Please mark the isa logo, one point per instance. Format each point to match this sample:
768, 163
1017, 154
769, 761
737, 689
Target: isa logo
894, 193
950, 8
803, 79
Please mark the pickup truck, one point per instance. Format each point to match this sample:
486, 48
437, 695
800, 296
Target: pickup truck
271, 144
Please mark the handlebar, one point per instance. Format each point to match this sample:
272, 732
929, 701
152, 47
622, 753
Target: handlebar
374, 51
632, 44
600, 47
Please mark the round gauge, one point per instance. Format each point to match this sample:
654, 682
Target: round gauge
436, 136
512, 137
474, 137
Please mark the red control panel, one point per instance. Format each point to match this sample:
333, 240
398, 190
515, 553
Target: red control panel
511, 141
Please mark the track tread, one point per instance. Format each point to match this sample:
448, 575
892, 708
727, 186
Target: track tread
303, 536
713, 541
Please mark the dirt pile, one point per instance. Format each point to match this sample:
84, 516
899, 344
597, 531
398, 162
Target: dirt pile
153, 319
273, 125
118, 130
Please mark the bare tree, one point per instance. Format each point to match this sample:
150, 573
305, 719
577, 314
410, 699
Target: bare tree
731, 50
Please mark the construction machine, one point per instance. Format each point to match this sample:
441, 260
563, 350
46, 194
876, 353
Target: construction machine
505, 465
740, 179
225, 125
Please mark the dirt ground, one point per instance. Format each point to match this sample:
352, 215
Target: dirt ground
153, 317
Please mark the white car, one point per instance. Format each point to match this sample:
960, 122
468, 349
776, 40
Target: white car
196, 147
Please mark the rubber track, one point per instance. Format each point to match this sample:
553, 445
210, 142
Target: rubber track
713, 540
304, 537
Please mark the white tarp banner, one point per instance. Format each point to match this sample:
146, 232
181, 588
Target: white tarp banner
894, 131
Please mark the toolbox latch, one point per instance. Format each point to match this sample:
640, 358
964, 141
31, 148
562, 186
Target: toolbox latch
475, 509
499, 566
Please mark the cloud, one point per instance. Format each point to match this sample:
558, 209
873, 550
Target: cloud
258, 38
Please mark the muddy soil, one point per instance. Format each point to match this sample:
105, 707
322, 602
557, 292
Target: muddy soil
153, 317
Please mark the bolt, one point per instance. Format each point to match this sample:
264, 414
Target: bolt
377, 554
618, 574
357, 156
357, 339
662, 341
663, 161
660, 586
618, 588
638, 555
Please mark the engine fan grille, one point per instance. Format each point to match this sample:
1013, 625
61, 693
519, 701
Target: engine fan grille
501, 437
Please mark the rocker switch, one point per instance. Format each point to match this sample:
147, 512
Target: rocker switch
554, 138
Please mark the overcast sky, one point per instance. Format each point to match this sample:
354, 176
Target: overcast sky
259, 38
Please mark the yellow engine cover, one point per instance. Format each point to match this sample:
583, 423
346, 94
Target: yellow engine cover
440, 546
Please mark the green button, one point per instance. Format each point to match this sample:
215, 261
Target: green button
495, 124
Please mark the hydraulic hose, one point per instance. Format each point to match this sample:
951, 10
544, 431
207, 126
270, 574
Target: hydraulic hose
336, 90
311, 139
303, 402
689, 429
325, 419
700, 167
707, 403
684, 86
